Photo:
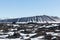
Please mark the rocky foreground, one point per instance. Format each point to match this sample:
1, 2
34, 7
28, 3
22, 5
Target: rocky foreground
29, 32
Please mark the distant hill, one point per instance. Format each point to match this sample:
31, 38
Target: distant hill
41, 18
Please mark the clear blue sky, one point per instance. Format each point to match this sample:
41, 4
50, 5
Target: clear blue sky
24, 8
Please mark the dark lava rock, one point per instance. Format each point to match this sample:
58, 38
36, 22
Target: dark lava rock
15, 35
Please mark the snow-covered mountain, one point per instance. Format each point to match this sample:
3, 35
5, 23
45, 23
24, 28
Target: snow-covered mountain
38, 19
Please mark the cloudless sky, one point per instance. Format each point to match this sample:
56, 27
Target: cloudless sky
25, 8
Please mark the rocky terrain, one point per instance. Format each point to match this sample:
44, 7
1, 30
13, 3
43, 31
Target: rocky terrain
30, 32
